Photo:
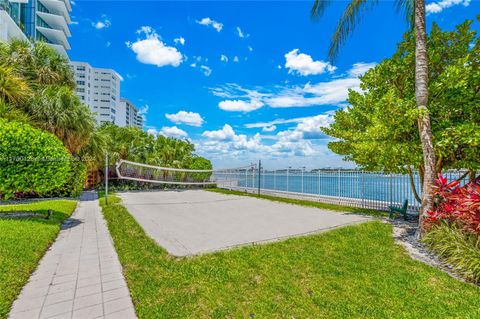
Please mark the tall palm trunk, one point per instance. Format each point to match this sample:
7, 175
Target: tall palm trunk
421, 95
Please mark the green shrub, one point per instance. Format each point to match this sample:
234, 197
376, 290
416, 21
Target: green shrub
458, 248
74, 183
32, 161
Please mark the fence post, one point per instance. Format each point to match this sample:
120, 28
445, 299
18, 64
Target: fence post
303, 175
246, 179
318, 182
338, 186
275, 179
106, 178
363, 189
288, 168
259, 175
391, 189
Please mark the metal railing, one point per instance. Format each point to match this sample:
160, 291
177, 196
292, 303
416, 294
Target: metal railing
372, 190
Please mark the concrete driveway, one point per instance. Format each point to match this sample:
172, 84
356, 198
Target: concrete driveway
195, 221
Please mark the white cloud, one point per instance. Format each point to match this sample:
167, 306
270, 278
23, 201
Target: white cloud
360, 68
173, 131
223, 58
240, 105
323, 93
212, 23
306, 128
206, 70
102, 23
241, 34
143, 112
297, 141
226, 133
303, 64
152, 50
188, 118
180, 40
311, 127
439, 6
275, 122
333, 92
270, 128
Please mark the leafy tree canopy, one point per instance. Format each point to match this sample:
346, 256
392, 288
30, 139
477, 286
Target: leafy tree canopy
379, 129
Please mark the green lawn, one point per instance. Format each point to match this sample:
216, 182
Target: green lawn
351, 272
339, 208
23, 241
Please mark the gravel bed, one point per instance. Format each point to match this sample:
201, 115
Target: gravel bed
405, 234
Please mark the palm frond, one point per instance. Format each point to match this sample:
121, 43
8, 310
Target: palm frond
406, 7
347, 23
318, 8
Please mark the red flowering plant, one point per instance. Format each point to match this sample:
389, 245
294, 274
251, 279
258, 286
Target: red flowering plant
456, 204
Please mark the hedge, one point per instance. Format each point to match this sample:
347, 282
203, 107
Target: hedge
32, 161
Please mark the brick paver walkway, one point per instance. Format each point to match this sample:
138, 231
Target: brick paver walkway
80, 275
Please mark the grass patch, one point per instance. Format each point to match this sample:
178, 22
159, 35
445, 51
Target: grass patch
339, 208
23, 242
351, 272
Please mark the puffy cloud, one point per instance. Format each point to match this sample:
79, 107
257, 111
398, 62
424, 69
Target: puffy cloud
173, 131
224, 134
439, 6
180, 40
212, 23
188, 118
103, 23
152, 50
241, 34
303, 64
240, 105
296, 141
311, 127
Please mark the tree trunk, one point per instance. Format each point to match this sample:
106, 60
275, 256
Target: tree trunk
412, 184
421, 96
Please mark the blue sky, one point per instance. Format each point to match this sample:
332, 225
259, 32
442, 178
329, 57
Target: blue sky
242, 80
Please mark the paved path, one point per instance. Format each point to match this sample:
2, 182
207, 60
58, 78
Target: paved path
80, 275
193, 221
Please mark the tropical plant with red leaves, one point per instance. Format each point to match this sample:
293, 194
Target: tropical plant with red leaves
456, 204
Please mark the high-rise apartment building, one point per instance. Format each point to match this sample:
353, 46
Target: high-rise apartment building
98, 88
128, 114
37, 20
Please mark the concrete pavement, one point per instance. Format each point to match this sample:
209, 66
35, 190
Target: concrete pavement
194, 221
80, 275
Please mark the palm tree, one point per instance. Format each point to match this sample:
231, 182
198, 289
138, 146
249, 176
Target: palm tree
415, 13
14, 89
57, 109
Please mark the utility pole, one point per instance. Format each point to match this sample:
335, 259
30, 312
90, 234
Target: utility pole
106, 178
